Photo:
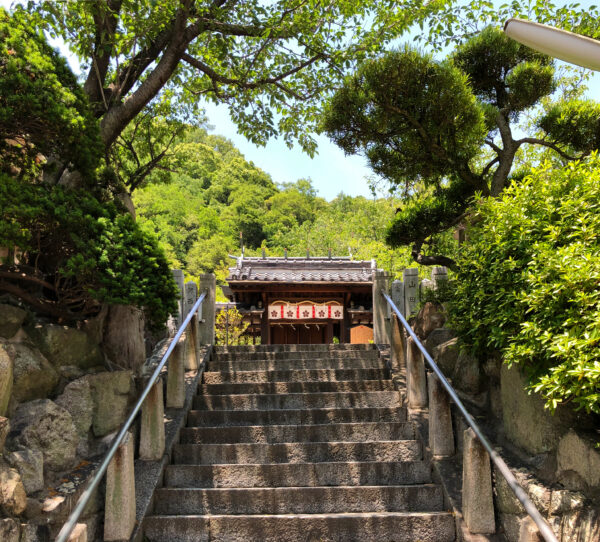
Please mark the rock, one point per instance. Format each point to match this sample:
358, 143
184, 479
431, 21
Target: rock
35, 532
430, 317
445, 355
33, 375
30, 464
526, 423
10, 530
581, 526
436, 337
64, 345
6, 377
123, 339
34, 508
467, 375
563, 501
77, 400
13, 499
111, 393
43, 425
4, 430
578, 454
11, 319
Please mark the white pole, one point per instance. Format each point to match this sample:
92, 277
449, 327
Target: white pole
561, 44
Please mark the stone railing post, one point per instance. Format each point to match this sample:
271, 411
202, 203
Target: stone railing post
152, 431
179, 280
441, 436
416, 384
439, 277
477, 498
411, 290
381, 323
192, 361
206, 334
119, 509
176, 374
397, 344
398, 296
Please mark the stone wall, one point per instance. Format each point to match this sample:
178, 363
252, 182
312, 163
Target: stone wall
59, 409
554, 456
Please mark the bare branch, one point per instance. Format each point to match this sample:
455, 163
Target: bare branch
550, 145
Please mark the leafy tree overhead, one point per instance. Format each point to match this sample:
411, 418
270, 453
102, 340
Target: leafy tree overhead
444, 130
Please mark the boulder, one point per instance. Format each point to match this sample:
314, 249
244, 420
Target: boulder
437, 336
13, 499
11, 319
577, 454
30, 464
581, 526
526, 422
467, 374
6, 377
430, 317
4, 429
35, 532
33, 375
111, 393
445, 355
10, 530
64, 345
43, 425
77, 400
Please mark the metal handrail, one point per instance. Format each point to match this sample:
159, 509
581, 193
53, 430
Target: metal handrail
519, 492
85, 496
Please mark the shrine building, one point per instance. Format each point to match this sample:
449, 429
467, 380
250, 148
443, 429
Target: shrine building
308, 300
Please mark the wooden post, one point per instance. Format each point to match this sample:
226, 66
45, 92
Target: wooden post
119, 509
416, 385
152, 432
478, 503
176, 375
441, 436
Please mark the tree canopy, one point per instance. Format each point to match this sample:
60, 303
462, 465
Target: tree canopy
443, 130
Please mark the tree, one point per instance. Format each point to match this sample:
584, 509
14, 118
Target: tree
444, 130
270, 62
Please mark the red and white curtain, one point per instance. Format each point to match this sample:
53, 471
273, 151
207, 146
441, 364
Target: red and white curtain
281, 310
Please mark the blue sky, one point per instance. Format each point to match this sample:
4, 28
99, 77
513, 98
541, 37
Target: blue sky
330, 171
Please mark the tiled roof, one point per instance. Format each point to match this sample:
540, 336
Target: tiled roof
301, 270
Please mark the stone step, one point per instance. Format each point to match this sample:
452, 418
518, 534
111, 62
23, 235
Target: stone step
301, 354
235, 349
338, 432
299, 474
295, 387
287, 375
296, 452
298, 400
295, 364
300, 500
383, 527
295, 417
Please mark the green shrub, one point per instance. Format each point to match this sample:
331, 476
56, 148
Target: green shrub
90, 252
528, 282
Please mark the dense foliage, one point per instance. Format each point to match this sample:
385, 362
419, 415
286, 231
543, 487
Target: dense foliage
97, 252
42, 107
443, 130
216, 194
528, 281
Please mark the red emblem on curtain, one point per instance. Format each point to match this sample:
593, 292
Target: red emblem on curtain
329, 311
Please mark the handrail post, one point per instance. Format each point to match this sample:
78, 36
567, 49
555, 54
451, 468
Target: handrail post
380, 310
441, 435
477, 501
152, 430
192, 360
416, 384
176, 374
397, 344
119, 509
206, 333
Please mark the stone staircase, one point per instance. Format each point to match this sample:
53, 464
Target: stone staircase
298, 443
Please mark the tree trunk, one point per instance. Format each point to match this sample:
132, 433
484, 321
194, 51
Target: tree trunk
123, 337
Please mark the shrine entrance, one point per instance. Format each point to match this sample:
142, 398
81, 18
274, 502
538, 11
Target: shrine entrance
300, 333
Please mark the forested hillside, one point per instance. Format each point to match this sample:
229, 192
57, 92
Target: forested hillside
214, 194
